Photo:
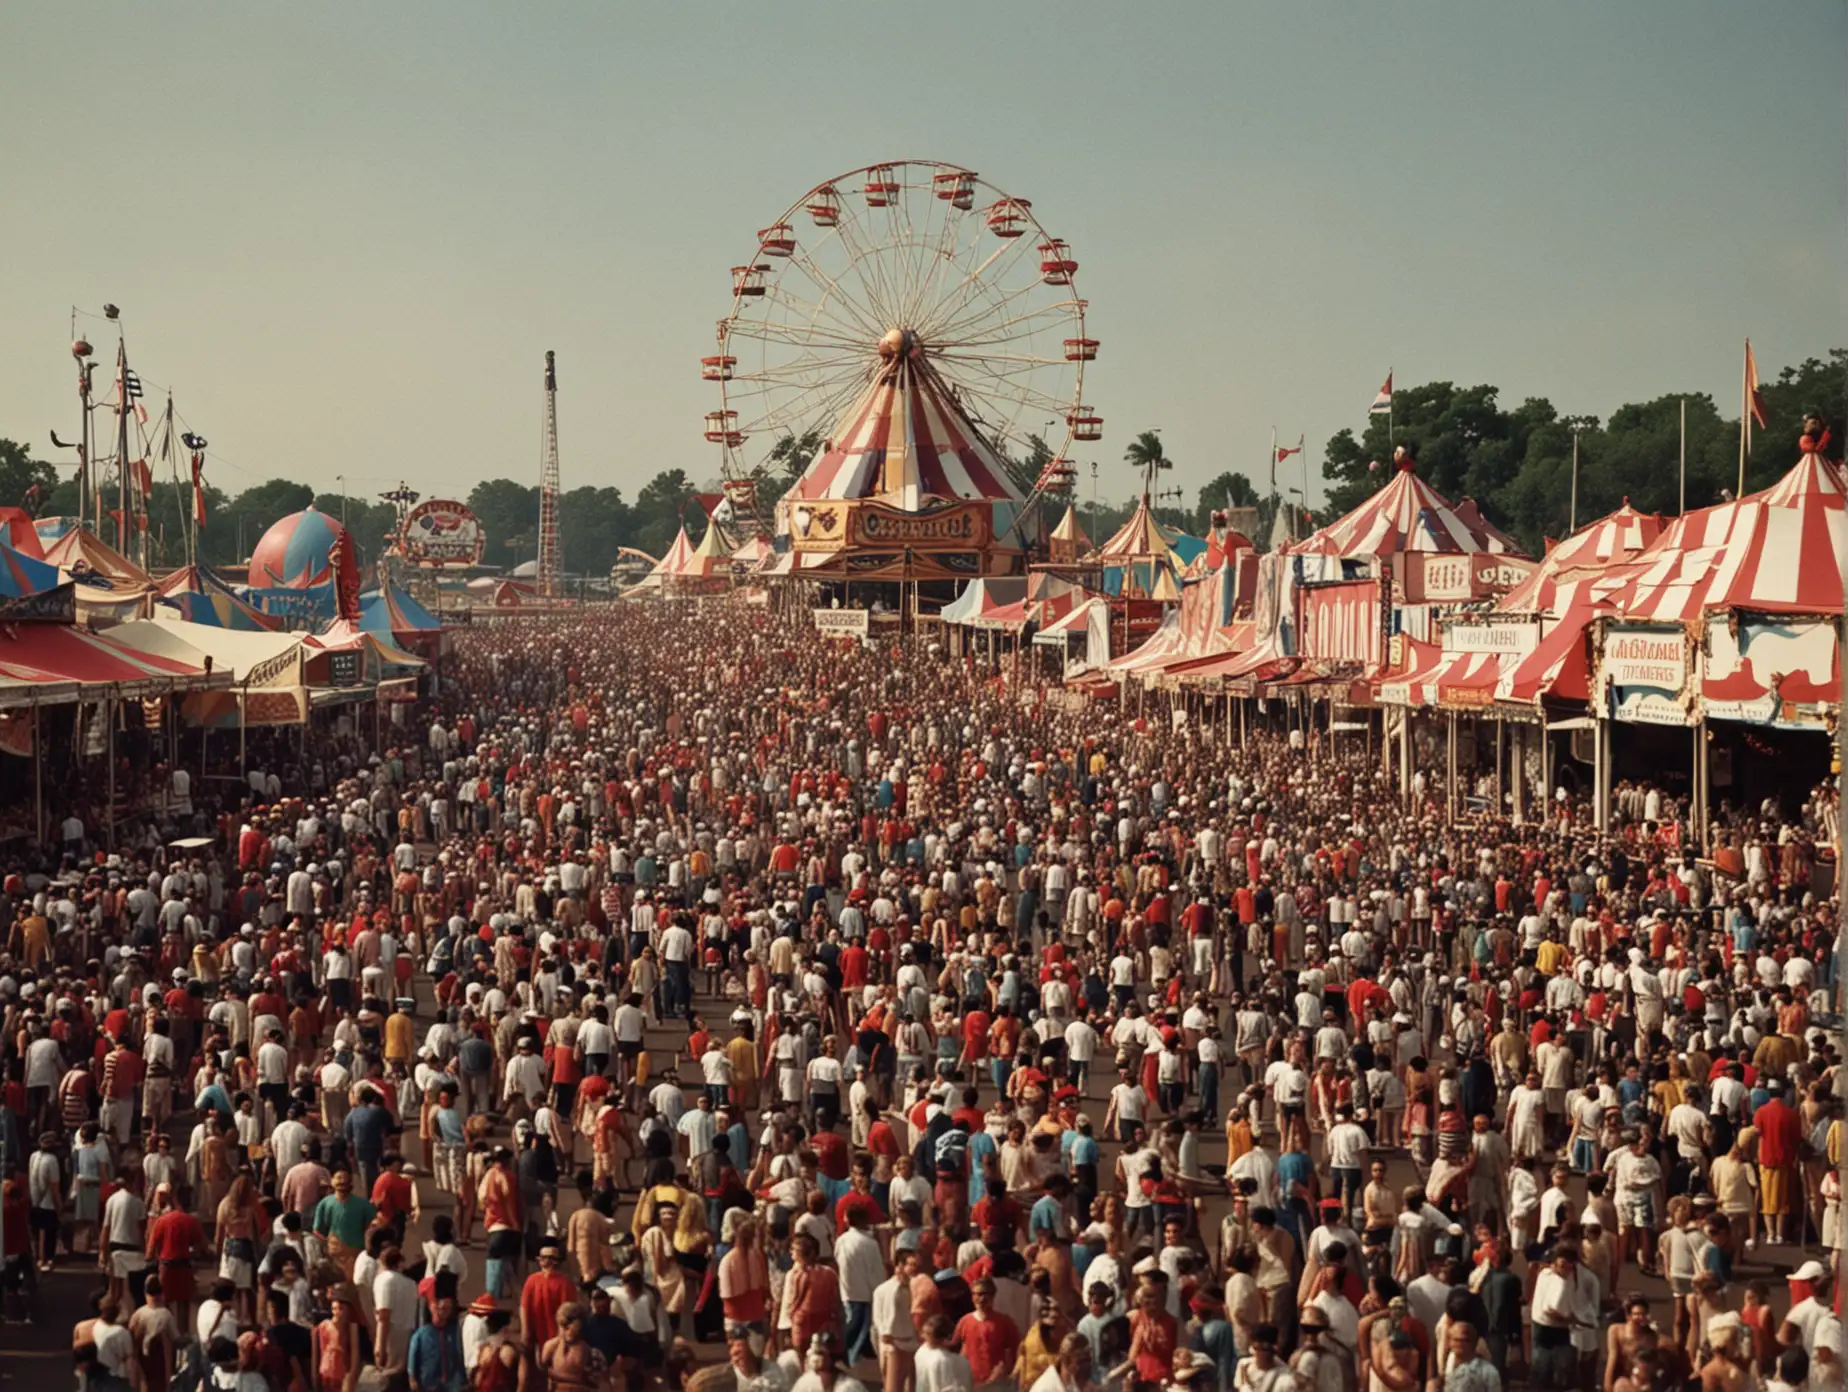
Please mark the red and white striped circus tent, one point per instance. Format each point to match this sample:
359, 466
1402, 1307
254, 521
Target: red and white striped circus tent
903, 442
1779, 551
1573, 564
1407, 515
686, 568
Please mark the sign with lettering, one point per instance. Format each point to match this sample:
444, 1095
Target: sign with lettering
441, 532
1426, 579
343, 668
1652, 657
1643, 673
1511, 639
842, 623
956, 528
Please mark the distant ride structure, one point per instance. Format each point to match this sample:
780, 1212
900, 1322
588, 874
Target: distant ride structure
906, 347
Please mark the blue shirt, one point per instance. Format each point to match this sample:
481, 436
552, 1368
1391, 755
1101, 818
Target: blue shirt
1084, 1149
1046, 1218
366, 1130
1293, 1168
981, 1145
434, 1359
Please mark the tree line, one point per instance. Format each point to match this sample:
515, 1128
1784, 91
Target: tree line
1516, 463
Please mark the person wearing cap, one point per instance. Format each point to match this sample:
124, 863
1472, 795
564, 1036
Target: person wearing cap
1810, 1311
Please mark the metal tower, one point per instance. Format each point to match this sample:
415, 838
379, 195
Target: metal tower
549, 567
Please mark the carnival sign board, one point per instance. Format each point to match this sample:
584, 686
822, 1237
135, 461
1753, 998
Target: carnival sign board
1515, 639
1643, 671
842, 623
441, 533
1429, 579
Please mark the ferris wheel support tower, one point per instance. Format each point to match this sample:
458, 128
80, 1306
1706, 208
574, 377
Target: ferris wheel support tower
548, 565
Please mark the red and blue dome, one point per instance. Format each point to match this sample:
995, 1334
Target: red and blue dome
300, 552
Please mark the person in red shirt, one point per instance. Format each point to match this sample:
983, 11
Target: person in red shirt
394, 1195
173, 1237
1780, 1129
988, 1338
975, 1038
546, 1291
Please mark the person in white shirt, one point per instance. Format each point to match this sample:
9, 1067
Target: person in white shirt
938, 1367
862, 1271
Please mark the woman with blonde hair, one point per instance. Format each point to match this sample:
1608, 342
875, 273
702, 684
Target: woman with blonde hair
240, 1223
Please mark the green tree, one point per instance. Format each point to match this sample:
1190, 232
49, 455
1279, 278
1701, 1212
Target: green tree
509, 514
1146, 455
20, 473
1227, 490
593, 522
658, 510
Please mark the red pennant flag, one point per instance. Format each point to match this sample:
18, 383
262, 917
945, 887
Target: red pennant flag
198, 468
1284, 452
144, 478
1753, 396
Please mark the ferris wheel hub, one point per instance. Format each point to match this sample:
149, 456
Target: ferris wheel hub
897, 343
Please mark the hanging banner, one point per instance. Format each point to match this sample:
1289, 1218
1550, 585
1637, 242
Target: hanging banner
1643, 671
842, 623
1341, 623
441, 532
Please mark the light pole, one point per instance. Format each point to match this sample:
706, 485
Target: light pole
341, 480
1577, 425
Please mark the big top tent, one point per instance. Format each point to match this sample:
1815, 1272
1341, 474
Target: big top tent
1407, 515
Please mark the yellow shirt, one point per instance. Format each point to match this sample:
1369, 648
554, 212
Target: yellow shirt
1548, 957
400, 1037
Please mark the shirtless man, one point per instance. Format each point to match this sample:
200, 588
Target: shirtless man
1625, 1340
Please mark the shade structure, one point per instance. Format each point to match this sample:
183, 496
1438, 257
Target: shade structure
1575, 562
1407, 515
1074, 621
236, 653
87, 557
345, 635
998, 602
1167, 644
1558, 666
18, 531
200, 597
1468, 679
22, 575
1779, 552
904, 441
51, 652
756, 551
394, 610
303, 551
1411, 680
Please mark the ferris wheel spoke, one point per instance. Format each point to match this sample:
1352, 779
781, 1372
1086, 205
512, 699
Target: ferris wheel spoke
1026, 359
771, 331
833, 293
1004, 331
812, 312
982, 303
992, 322
866, 267
944, 253
809, 408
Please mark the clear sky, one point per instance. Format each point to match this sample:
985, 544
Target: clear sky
347, 233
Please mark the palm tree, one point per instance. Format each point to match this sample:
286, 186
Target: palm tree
1145, 453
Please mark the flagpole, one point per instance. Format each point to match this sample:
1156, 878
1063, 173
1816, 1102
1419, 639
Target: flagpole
1684, 455
1745, 413
1305, 454
122, 444
1273, 459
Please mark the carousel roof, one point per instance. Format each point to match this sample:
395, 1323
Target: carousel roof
1407, 515
1070, 530
905, 439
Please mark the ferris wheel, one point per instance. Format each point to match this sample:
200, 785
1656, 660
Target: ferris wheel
914, 257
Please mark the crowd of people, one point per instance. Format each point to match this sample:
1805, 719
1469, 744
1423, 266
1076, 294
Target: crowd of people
700, 1003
